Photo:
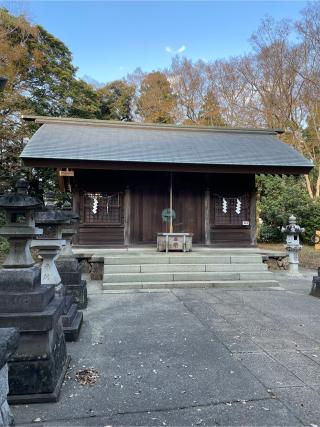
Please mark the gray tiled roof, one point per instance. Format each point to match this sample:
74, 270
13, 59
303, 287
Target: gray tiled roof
161, 145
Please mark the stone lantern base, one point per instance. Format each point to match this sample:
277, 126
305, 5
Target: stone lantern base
37, 368
69, 270
76, 295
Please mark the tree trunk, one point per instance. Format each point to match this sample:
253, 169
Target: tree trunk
318, 184
308, 183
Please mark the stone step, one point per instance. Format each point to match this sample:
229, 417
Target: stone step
71, 332
189, 284
186, 258
184, 276
69, 316
167, 268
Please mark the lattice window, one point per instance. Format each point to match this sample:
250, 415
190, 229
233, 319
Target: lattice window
103, 208
231, 210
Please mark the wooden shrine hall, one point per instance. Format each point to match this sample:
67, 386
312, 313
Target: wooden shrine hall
127, 178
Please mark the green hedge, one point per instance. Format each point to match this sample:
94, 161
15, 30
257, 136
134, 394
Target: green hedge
280, 197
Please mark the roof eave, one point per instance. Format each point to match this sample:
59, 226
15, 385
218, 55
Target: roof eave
135, 125
173, 167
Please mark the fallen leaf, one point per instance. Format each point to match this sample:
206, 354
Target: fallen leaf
87, 376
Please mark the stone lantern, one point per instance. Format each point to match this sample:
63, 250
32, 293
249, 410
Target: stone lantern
20, 225
37, 369
54, 222
68, 265
292, 232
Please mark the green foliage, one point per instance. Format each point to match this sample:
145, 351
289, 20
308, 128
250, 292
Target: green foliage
280, 197
4, 245
115, 101
270, 234
42, 81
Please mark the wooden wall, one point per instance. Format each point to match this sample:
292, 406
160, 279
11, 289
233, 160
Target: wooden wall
196, 201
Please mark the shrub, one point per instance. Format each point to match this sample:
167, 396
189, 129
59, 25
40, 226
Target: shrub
280, 197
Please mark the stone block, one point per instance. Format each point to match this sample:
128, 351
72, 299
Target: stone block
315, 290
137, 259
35, 300
236, 267
70, 277
35, 321
206, 276
68, 263
196, 259
32, 375
149, 268
124, 268
71, 332
246, 259
138, 277
20, 279
79, 293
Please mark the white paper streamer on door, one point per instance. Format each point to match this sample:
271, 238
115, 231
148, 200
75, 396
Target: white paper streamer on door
224, 205
95, 205
238, 207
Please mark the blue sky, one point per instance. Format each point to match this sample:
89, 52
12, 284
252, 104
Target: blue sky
110, 39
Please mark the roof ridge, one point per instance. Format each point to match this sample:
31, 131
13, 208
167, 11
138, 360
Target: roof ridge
149, 126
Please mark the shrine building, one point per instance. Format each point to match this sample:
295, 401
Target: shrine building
128, 178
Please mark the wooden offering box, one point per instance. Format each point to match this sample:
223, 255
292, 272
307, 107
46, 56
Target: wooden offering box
174, 242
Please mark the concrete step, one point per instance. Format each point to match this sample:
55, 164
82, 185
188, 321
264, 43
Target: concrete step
122, 286
167, 268
187, 258
184, 276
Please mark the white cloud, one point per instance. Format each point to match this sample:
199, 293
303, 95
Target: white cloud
175, 51
181, 49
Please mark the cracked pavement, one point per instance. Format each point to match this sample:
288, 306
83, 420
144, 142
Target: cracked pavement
193, 357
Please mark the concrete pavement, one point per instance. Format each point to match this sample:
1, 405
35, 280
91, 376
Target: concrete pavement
193, 357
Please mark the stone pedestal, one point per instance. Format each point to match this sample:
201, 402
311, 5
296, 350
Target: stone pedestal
37, 369
9, 338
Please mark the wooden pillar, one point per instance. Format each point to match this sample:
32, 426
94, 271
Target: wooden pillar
127, 214
76, 209
207, 237
253, 218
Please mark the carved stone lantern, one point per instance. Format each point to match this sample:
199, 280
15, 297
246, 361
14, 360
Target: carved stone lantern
37, 369
292, 232
20, 225
54, 223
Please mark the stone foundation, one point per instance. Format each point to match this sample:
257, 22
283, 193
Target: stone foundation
276, 261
